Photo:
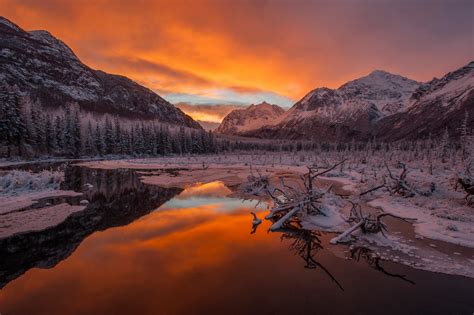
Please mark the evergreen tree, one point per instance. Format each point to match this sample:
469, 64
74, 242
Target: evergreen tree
99, 140
118, 149
109, 136
76, 134
59, 134
12, 127
89, 147
50, 141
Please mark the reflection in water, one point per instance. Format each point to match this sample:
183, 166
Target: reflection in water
374, 261
306, 244
116, 198
195, 256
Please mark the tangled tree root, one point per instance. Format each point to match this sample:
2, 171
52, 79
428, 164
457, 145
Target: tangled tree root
367, 223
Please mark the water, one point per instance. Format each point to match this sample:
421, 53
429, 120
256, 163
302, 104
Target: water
140, 249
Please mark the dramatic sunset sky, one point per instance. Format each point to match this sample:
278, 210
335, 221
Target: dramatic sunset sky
240, 52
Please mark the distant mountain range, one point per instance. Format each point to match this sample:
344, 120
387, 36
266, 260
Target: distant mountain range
48, 71
382, 105
242, 121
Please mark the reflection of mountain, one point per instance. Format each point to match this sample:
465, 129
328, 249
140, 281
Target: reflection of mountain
118, 198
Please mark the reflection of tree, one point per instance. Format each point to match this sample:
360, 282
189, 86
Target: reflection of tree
374, 261
306, 244
116, 199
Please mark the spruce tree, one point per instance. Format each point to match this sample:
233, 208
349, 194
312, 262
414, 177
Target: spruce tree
12, 127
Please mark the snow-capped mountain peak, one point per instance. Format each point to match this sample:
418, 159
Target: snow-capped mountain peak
381, 104
253, 117
368, 98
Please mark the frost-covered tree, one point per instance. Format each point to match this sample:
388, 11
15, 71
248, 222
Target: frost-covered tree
49, 135
59, 133
89, 147
99, 140
12, 127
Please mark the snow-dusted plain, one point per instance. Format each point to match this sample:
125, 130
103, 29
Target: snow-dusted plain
21, 191
441, 239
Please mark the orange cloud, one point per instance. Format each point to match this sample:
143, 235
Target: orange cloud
286, 47
208, 112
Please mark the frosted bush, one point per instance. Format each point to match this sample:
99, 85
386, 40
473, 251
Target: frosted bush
12, 182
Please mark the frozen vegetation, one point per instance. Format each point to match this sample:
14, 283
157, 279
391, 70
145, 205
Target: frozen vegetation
403, 203
16, 182
21, 191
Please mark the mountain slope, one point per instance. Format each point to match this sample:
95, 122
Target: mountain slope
436, 105
382, 105
350, 111
49, 71
242, 121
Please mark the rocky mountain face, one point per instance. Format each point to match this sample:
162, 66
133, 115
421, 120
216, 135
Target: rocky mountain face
389, 107
243, 121
48, 70
350, 111
435, 106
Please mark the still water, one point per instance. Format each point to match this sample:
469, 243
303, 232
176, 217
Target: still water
140, 249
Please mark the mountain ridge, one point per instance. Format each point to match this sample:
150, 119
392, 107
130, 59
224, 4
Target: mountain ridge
48, 70
241, 121
376, 105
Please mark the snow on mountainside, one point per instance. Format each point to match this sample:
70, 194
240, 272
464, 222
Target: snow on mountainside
381, 104
435, 106
48, 70
377, 95
350, 111
240, 121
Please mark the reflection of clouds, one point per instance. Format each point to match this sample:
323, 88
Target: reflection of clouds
158, 252
208, 195
213, 189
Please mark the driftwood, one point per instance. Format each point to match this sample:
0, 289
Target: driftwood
289, 201
400, 185
367, 223
256, 183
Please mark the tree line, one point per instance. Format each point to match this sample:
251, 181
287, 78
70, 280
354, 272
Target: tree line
28, 130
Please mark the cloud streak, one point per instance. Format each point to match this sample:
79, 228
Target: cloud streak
242, 51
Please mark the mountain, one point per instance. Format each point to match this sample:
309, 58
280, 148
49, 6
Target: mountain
435, 106
242, 121
383, 105
350, 111
49, 71
208, 125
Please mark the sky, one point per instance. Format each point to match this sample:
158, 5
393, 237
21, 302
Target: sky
238, 52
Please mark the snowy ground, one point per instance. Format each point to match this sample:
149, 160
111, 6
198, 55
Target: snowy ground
20, 193
440, 240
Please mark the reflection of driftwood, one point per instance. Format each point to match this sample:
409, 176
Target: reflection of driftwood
255, 222
374, 261
306, 244
367, 223
289, 201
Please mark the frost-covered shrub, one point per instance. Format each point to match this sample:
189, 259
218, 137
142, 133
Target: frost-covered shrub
17, 181
452, 227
